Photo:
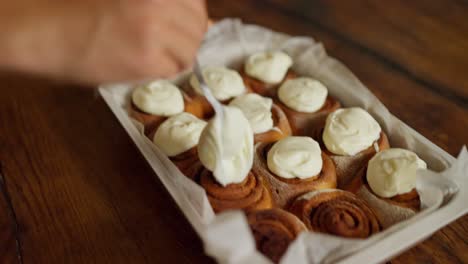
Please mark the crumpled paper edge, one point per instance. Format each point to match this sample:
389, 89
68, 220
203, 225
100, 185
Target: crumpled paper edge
309, 247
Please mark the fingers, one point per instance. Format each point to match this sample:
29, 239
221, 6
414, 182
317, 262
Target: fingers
144, 39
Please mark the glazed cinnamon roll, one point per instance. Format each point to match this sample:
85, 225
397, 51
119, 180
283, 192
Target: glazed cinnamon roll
154, 102
263, 72
250, 194
267, 120
228, 179
336, 212
388, 184
177, 137
224, 84
273, 230
306, 103
293, 166
351, 137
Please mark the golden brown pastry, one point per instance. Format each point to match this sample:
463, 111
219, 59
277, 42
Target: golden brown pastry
250, 194
281, 127
309, 124
336, 212
224, 84
408, 200
152, 121
267, 120
262, 88
388, 184
306, 103
263, 72
285, 190
351, 137
177, 137
274, 230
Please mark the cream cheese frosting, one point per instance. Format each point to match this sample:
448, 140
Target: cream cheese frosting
159, 97
224, 83
178, 133
269, 67
349, 131
229, 155
257, 109
393, 171
303, 94
295, 157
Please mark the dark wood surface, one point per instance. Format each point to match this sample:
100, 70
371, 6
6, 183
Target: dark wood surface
74, 189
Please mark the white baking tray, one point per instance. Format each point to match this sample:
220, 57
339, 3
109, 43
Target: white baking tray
443, 190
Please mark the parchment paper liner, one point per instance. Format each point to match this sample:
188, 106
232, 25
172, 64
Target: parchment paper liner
443, 191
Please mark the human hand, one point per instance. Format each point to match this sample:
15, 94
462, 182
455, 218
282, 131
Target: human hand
103, 41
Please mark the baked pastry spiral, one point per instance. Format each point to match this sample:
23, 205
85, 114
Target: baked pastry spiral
388, 184
262, 88
281, 128
151, 122
283, 190
336, 212
273, 230
250, 194
309, 124
347, 167
408, 200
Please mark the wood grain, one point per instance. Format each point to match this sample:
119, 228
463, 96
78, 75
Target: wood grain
80, 191
426, 40
9, 248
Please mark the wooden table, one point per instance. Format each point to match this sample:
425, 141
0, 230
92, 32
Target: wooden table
74, 189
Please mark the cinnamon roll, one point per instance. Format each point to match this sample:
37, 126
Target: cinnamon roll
263, 72
267, 120
178, 137
351, 137
293, 166
306, 103
274, 230
224, 84
153, 103
336, 212
228, 179
388, 184
250, 194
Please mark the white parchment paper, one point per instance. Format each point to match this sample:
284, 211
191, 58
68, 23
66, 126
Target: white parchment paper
443, 189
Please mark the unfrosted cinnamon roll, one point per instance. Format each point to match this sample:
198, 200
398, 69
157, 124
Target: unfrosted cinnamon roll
336, 212
250, 194
268, 121
293, 166
274, 230
351, 137
388, 184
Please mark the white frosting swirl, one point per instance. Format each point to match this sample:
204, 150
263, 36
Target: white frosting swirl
229, 155
224, 83
158, 98
393, 171
178, 133
257, 110
295, 157
269, 66
349, 131
303, 94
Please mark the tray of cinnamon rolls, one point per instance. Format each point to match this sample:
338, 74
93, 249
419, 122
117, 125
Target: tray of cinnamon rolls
306, 166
